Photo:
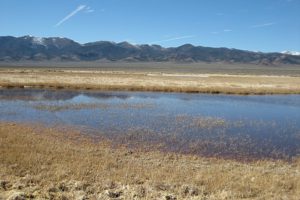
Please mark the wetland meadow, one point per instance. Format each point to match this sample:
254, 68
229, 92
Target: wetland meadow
73, 143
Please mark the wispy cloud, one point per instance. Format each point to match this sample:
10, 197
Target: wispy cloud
219, 32
88, 9
78, 9
173, 38
263, 25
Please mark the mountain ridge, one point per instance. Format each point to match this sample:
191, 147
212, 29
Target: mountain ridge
64, 49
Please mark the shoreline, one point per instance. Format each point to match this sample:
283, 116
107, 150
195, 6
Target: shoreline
150, 81
42, 162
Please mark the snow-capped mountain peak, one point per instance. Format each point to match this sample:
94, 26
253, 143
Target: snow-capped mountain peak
294, 53
38, 40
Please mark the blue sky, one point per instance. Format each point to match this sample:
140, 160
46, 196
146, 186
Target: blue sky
257, 25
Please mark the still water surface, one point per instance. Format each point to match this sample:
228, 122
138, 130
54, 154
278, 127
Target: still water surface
210, 125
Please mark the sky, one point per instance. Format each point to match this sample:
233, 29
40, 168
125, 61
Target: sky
256, 25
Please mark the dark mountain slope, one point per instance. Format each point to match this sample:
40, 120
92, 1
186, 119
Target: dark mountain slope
64, 49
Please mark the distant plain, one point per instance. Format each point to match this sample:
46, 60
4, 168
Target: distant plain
163, 77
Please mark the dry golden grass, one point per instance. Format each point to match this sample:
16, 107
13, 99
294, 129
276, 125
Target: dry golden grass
151, 81
44, 163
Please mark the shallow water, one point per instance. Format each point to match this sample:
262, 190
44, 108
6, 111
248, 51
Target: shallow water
210, 125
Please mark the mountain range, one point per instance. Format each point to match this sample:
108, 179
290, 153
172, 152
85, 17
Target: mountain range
64, 49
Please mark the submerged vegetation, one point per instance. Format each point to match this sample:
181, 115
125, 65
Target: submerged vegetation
49, 163
203, 125
202, 122
79, 106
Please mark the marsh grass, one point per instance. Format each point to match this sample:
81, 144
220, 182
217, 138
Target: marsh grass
50, 163
145, 81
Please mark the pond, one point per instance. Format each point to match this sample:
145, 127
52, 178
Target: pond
229, 126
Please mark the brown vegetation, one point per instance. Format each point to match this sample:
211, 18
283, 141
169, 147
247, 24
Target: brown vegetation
47, 163
150, 81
